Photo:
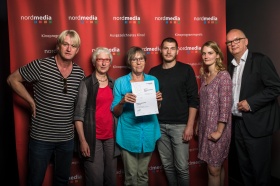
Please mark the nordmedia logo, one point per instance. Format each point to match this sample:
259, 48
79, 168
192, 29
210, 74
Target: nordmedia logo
114, 51
190, 49
155, 169
128, 20
156, 49
169, 20
91, 19
37, 19
207, 20
151, 50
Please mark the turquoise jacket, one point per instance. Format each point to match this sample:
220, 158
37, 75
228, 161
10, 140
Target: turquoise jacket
135, 134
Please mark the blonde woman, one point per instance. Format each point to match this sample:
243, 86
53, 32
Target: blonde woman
214, 128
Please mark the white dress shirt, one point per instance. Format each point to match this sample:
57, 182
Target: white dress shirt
236, 82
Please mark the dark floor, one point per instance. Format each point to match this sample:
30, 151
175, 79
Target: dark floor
236, 182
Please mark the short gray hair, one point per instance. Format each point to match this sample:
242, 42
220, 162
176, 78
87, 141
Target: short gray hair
98, 51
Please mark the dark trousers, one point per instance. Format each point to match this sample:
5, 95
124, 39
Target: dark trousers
254, 156
40, 154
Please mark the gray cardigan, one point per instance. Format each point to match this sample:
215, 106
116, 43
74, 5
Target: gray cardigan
85, 111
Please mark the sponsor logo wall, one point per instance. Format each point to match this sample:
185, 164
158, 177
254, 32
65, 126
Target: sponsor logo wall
34, 27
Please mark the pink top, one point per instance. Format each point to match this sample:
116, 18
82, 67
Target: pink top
104, 116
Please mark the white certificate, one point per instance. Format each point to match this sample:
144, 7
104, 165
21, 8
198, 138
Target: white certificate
146, 102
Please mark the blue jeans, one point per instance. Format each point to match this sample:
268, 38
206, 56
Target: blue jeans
40, 154
174, 154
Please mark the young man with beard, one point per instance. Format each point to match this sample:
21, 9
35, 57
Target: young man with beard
177, 112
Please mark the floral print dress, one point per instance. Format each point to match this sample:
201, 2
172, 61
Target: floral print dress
215, 106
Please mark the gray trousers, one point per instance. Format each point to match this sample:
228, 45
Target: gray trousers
102, 171
136, 168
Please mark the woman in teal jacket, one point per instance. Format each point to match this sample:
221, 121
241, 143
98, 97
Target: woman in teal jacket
136, 135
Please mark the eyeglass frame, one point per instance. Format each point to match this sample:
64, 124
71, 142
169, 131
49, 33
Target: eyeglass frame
101, 60
136, 60
235, 41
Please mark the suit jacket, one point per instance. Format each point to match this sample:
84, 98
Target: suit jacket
260, 86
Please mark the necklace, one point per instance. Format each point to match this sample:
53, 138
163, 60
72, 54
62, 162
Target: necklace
102, 80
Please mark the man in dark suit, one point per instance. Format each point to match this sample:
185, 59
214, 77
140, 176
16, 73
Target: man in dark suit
256, 112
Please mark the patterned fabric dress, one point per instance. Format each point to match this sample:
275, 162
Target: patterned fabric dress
215, 105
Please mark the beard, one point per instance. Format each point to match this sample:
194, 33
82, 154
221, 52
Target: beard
169, 60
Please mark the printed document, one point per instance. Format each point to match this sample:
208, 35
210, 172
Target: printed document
146, 102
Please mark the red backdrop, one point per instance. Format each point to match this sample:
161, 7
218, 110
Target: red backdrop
119, 24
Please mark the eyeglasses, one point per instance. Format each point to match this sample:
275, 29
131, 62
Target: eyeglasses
235, 41
140, 59
64, 85
66, 45
101, 60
